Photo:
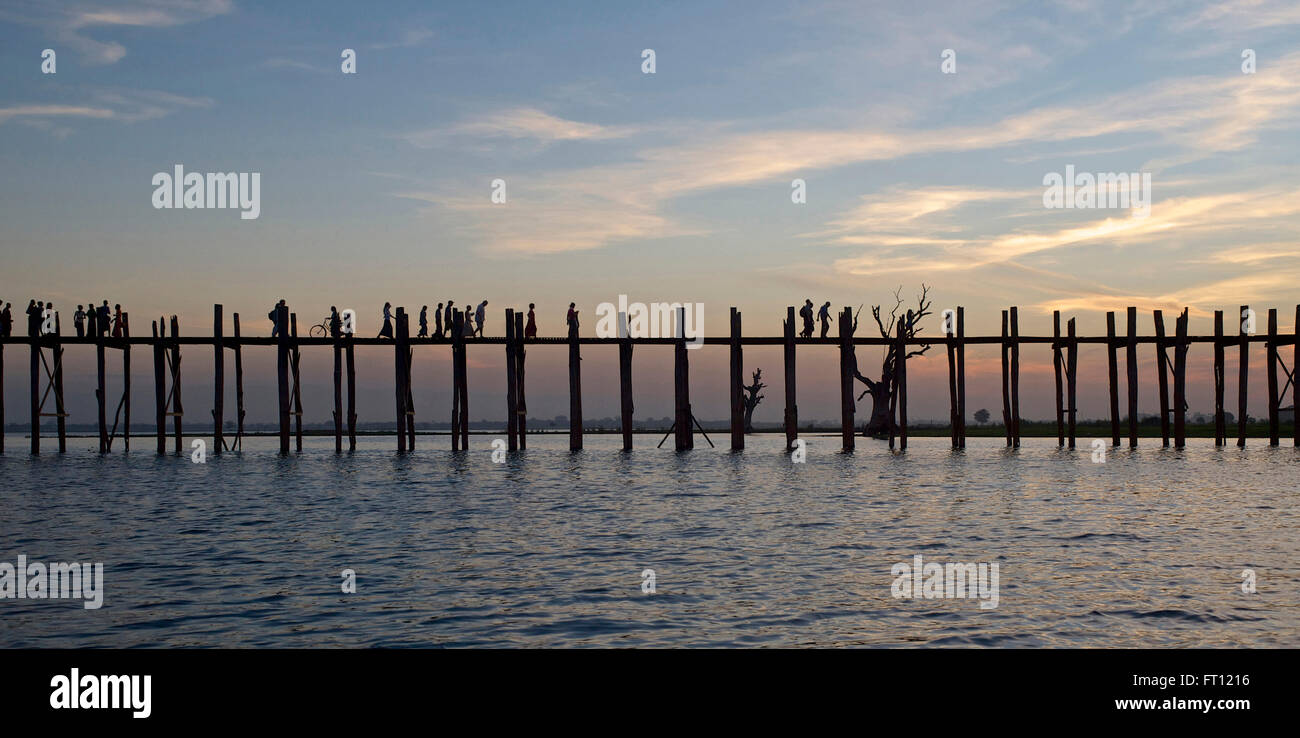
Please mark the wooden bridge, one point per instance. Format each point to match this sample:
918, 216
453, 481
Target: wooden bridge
47, 368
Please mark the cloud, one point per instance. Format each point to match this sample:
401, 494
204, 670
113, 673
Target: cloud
516, 123
127, 106
410, 37
53, 111
70, 22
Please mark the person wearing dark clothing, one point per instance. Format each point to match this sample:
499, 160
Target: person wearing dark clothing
104, 319
79, 320
824, 315
274, 315
571, 319
33, 318
7, 321
449, 318
806, 312
424, 323
437, 321
336, 323
387, 330
530, 328
92, 320
117, 321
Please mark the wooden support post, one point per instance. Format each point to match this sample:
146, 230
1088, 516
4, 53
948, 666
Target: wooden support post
126, 383
846, 378
350, 361
462, 366
737, 383
1113, 377
1006, 379
625, 379
36, 395
1072, 372
1162, 360
791, 408
1058, 365
1243, 374
1015, 377
59, 407
338, 395
101, 391
282, 373
952, 384
178, 409
575, 391
457, 343
1131, 360
900, 384
961, 373
239, 387
160, 385
218, 381
295, 357
1220, 431
512, 376
521, 405
682, 388
1295, 378
1180, 380
399, 382
408, 366
1271, 354
2, 398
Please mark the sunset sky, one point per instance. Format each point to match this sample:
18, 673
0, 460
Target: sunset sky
672, 186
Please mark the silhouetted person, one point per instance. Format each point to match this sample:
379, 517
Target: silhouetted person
480, 316
806, 312
117, 321
79, 320
824, 315
7, 320
530, 328
387, 330
275, 319
467, 330
336, 323
437, 321
424, 323
571, 319
92, 319
33, 319
103, 319
449, 321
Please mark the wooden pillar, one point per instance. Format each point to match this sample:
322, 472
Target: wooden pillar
1243, 373
952, 385
1180, 380
1072, 372
218, 381
737, 382
60, 412
1006, 379
1113, 377
521, 405
1058, 365
2, 397
961, 373
682, 387
101, 391
36, 395
399, 382
126, 383
1220, 431
625, 379
900, 384
408, 366
791, 408
575, 391
295, 358
239, 386
1295, 377
282, 373
512, 374
160, 385
338, 395
846, 378
457, 343
1015, 377
350, 361
1271, 353
178, 409
462, 366
1162, 361
1131, 360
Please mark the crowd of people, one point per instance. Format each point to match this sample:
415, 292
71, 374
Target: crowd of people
89, 321
474, 321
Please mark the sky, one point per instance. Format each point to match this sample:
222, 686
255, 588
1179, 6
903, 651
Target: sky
672, 186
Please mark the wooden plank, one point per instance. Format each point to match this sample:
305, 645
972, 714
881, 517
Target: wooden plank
1271, 353
1015, 377
1131, 361
1113, 377
1220, 430
575, 390
1072, 372
1243, 374
512, 377
1180, 380
625, 380
1006, 378
737, 384
218, 381
1162, 363
1058, 365
791, 408
846, 378
521, 404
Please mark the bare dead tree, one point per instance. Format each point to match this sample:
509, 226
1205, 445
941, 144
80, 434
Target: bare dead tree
752, 398
881, 391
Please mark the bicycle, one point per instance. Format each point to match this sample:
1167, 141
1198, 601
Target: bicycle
320, 330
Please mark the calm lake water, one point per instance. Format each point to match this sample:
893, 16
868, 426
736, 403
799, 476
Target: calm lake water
748, 549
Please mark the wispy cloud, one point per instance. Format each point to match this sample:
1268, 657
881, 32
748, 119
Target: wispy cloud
408, 38
71, 22
516, 123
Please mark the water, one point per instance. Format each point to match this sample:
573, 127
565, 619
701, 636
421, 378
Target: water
748, 549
